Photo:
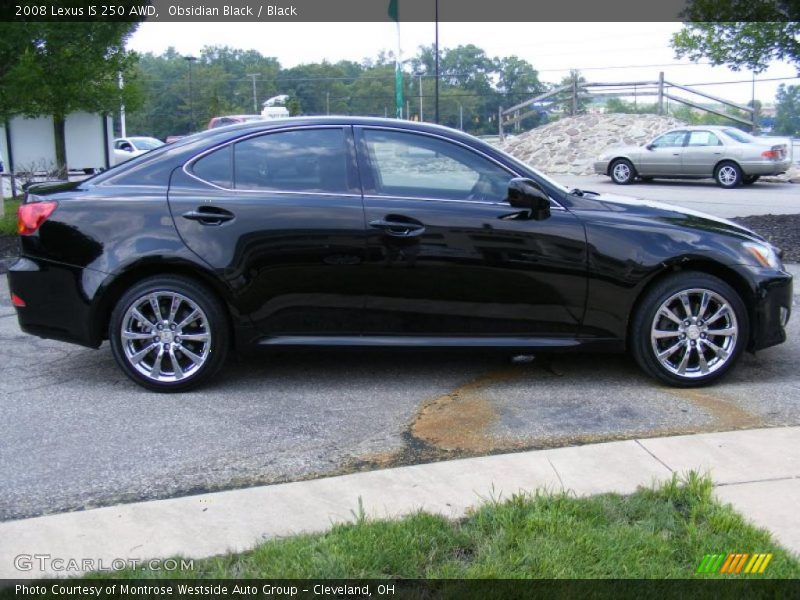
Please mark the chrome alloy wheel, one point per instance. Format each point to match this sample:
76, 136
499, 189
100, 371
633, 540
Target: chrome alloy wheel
727, 175
165, 336
694, 333
621, 171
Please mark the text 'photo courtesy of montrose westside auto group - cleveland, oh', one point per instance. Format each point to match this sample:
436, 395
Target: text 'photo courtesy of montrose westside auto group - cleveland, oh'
399, 298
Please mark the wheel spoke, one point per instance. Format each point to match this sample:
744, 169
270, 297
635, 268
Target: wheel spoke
703, 362
141, 318
661, 334
722, 310
191, 317
687, 306
194, 337
727, 331
191, 355
156, 308
667, 312
703, 305
685, 360
720, 352
139, 356
173, 309
175, 366
670, 351
137, 335
155, 371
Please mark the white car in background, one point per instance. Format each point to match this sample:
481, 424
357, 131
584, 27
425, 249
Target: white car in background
128, 147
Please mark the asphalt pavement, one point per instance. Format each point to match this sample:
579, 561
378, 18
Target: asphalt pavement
76, 433
761, 198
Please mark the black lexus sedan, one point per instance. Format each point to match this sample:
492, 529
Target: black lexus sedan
375, 232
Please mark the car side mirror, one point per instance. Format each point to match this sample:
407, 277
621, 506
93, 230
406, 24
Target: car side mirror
526, 193
650, 146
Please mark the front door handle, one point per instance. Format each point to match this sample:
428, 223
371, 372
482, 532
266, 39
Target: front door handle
209, 215
398, 228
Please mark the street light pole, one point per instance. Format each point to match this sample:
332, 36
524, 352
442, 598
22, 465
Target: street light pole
190, 60
419, 75
460, 116
255, 96
436, 50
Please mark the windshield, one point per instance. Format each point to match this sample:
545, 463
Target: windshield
146, 143
739, 135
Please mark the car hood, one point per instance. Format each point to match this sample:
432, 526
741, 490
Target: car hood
628, 207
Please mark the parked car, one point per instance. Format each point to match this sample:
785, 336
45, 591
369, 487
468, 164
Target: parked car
129, 147
232, 120
729, 155
386, 233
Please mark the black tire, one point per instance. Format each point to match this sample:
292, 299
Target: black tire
651, 330
750, 179
182, 363
646, 179
622, 171
728, 175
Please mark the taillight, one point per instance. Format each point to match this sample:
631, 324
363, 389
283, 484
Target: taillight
772, 154
17, 301
31, 216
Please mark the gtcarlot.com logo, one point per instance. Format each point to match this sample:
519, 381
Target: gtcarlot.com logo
50, 563
734, 563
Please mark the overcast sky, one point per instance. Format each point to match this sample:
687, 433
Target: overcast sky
604, 52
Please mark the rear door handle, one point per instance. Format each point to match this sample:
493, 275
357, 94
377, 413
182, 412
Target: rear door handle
398, 228
209, 215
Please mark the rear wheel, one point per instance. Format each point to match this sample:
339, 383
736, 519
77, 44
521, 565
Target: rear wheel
728, 175
622, 171
689, 330
169, 334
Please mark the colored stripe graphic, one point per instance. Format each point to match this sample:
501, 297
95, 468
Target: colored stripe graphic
734, 563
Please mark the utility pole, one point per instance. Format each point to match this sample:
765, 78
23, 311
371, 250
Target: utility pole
419, 75
255, 95
436, 50
190, 60
327, 103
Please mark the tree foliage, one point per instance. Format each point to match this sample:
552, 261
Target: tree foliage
59, 68
742, 34
472, 86
787, 110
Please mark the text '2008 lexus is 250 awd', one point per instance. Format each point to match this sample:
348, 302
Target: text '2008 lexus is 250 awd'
372, 232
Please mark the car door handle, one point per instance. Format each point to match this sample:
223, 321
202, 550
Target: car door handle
209, 215
398, 228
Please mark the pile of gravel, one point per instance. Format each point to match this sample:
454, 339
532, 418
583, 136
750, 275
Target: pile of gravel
572, 144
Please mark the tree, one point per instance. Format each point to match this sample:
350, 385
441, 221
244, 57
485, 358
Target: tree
742, 34
61, 68
787, 110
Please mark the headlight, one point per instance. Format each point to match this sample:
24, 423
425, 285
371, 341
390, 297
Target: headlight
764, 254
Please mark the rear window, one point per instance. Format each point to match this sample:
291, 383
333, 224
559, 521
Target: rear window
216, 168
739, 135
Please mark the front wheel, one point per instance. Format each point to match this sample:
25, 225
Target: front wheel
169, 334
622, 171
689, 330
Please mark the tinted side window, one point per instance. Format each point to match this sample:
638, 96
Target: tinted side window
408, 164
304, 160
216, 168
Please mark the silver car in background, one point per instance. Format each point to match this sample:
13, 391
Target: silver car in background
729, 155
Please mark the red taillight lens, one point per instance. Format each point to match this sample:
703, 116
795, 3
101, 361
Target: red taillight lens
17, 301
31, 216
771, 154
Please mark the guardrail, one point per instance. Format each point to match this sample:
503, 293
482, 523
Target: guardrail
571, 94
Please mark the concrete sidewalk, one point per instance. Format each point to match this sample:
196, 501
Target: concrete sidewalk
758, 471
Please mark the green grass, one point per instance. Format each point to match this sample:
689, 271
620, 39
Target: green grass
8, 222
654, 533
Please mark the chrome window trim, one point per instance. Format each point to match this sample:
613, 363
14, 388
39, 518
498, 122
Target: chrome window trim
186, 166
554, 203
189, 163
